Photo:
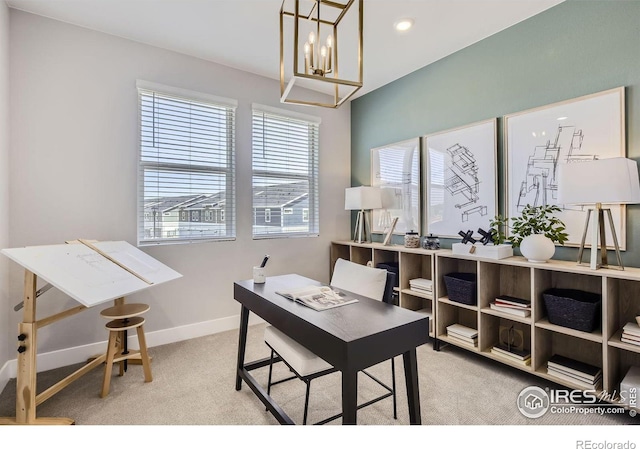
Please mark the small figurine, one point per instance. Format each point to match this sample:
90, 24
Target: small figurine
487, 237
467, 236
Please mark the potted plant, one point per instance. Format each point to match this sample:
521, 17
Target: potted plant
535, 231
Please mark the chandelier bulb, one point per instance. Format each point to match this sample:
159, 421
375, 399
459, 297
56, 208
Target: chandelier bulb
312, 37
329, 41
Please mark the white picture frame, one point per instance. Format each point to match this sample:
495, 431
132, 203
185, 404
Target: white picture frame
537, 140
395, 169
461, 179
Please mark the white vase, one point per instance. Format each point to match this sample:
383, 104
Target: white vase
537, 248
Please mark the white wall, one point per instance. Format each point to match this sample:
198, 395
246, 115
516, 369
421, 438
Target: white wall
4, 186
74, 170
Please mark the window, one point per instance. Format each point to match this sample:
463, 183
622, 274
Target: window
267, 215
285, 171
288, 211
187, 160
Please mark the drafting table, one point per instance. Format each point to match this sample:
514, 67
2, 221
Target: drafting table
90, 272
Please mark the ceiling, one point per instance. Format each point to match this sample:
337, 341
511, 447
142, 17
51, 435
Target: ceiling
244, 34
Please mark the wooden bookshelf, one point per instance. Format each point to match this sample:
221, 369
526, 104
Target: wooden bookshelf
515, 276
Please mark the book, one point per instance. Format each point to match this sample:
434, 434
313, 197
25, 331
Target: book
510, 306
631, 336
512, 352
421, 283
513, 301
463, 342
472, 340
632, 328
511, 310
462, 330
317, 297
587, 379
574, 366
585, 385
629, 341
421, 290
524, 362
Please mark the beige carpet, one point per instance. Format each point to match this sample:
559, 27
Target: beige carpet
194, 385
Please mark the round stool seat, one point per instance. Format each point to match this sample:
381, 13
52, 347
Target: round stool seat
124, 311
123, 325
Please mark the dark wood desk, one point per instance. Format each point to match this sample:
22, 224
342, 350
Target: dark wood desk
351, 338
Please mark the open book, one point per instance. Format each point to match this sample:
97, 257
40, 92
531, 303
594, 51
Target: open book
317, 297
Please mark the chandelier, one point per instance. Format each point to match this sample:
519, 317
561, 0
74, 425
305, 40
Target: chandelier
318, 29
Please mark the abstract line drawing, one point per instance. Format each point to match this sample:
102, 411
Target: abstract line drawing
461, 178
540, 184
541, 139
481, 210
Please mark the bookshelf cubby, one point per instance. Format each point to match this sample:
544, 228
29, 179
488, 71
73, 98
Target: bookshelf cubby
515, 276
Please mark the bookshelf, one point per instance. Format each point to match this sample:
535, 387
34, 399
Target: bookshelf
515, 276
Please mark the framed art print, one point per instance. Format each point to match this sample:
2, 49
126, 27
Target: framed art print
395, 169
461, 182
537, 141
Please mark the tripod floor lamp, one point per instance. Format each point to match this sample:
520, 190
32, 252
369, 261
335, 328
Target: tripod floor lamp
362, 199
598, 182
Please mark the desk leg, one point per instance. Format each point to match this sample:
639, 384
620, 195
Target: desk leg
411, 379
349, 397
242, 344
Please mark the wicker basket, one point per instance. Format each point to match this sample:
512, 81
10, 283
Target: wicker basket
575, 309
461, 287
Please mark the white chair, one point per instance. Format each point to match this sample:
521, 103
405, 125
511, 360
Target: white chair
351, 277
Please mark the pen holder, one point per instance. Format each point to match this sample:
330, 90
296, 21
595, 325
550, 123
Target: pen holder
259, 275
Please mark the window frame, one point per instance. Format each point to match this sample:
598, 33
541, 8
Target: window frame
312, 177
146, 87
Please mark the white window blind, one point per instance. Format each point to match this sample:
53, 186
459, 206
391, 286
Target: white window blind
285, 173
186, 166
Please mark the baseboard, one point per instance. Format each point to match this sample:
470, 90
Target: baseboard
78, 354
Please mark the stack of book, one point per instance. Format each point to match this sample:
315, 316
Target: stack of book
512, 354
579, 373
631, 334
512, 305
421, 285
462, 334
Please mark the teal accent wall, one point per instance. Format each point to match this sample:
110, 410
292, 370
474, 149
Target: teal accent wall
573, 49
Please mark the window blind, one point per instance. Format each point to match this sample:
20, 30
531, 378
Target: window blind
285, 173
186, 166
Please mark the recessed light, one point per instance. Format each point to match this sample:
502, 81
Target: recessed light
403, 24
562, 118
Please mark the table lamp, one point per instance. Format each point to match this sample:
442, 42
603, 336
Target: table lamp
362, 198
390, 199
603, 181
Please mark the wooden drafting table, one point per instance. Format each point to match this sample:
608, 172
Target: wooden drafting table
90, 272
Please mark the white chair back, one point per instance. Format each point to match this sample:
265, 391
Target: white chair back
359, 279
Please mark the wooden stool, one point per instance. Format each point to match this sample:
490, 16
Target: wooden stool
124, 317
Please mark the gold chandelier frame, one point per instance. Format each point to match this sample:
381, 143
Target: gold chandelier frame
286, 88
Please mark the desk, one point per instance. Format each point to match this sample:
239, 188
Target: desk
351, 338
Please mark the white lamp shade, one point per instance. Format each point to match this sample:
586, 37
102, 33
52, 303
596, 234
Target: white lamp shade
608, 181
363, 197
